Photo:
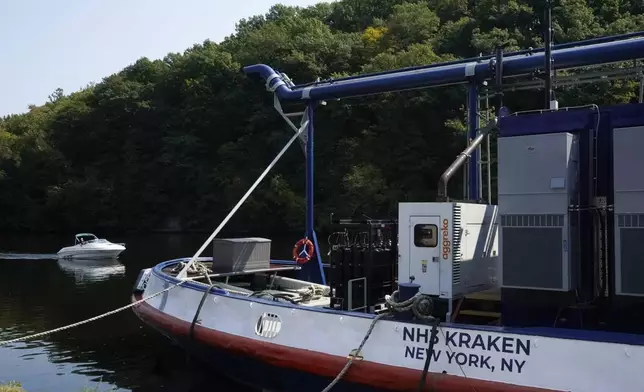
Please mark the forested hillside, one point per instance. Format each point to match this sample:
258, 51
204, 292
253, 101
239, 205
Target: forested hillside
176, 142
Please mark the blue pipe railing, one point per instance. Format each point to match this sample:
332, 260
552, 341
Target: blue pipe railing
590, 41
595, 54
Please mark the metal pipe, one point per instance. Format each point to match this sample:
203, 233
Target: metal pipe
462, 157
641, 95
498, 83
488, 158
573, 80
473, 125
466, 172
548, 55
602, 53
479, 171
465, 176
566, 45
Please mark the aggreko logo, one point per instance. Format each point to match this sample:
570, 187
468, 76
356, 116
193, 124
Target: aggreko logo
447, 245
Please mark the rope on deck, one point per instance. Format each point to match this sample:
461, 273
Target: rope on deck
420, 304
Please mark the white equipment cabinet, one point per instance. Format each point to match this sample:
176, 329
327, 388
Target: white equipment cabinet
628, 165
449, 249
534, 197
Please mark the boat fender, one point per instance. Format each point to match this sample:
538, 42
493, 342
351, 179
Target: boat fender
303, 255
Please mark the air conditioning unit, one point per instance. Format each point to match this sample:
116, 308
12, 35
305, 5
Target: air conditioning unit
628, 166
537, 177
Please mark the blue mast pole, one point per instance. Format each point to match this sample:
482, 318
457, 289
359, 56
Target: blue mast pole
313, 271
309, 172
472, 125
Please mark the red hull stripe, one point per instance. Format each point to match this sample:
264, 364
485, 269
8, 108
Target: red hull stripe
372, 374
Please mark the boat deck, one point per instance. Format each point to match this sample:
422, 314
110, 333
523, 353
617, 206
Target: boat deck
261, 283
274, 268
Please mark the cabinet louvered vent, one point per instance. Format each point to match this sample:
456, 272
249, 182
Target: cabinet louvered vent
457, 234
532, 253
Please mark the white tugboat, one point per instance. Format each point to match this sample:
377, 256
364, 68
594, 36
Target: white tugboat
542, 292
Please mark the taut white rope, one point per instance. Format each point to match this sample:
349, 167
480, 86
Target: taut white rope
184, 272
100, 316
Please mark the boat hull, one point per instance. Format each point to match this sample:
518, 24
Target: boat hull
272, 367
88, 253
244, 369
266, 341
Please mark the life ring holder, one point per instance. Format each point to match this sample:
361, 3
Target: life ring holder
305, 254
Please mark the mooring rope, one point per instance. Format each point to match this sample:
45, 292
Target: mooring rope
420, 304
89, 320
196, 317
357, 353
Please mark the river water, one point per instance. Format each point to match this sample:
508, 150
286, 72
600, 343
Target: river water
116, 353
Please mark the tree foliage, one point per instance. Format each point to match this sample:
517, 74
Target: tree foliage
176, 142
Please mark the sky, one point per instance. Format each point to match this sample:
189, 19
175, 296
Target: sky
46, 44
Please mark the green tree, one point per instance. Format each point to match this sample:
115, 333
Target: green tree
180, 139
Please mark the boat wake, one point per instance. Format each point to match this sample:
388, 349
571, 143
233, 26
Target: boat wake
28, 256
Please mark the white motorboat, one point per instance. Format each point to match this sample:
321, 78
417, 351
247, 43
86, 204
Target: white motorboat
88, 246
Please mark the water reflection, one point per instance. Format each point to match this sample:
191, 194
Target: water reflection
87, 270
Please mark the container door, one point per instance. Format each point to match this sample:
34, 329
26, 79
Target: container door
424, 257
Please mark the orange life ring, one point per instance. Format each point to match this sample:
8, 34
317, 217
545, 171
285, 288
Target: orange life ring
303, 256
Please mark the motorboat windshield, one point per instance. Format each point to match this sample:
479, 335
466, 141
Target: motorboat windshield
84, 238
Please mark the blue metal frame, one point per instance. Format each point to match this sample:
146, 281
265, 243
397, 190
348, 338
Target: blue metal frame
311, 271
623, 115
310, 189
577, 54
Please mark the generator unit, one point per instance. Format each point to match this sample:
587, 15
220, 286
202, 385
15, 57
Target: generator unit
628, 193
449, 248
538, 176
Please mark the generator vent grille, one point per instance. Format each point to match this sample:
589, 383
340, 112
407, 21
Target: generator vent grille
456, 246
